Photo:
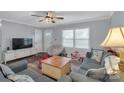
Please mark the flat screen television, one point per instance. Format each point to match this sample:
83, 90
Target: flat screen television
20, 43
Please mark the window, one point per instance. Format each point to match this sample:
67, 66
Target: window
68, 38
82, 38
78, 38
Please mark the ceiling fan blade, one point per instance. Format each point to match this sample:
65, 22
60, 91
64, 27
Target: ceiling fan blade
59, 18
37, 15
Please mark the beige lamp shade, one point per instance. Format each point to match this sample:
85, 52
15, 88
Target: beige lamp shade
115, 38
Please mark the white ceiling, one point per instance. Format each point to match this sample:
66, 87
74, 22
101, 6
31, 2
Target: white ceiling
24, 17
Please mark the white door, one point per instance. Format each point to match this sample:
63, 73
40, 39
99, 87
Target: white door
38, 40
47, 39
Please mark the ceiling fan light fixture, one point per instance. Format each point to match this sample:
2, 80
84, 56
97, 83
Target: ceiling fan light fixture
49, 18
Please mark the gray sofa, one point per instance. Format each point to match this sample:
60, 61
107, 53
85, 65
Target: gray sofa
2, 78
20, 67
88, 63
78, 75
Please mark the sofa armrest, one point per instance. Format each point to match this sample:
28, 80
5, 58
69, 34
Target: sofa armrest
77, 77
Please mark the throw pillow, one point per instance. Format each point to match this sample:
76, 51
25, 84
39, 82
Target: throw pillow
6, 70
97, 54
88, 54
99, 74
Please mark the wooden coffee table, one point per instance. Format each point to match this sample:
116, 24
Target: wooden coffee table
56, 66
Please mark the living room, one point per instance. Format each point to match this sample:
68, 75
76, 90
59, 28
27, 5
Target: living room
76, 47
53, 46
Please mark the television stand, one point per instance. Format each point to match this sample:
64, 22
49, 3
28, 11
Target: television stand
20, 53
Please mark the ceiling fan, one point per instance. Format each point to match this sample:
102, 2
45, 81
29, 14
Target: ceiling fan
50, 17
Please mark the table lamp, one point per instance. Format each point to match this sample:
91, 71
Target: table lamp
115, 39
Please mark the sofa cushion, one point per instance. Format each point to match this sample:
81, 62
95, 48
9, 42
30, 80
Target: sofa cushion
31, 72
37, 77
87, 66
18, 66
89, 60
82, 71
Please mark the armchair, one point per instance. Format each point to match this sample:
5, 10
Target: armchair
91, 61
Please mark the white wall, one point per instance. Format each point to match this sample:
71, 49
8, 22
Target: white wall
118, 19
98, 31
13, 30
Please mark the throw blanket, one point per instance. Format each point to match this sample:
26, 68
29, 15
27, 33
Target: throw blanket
20, 78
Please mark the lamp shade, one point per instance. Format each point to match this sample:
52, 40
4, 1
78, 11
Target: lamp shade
115, 38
